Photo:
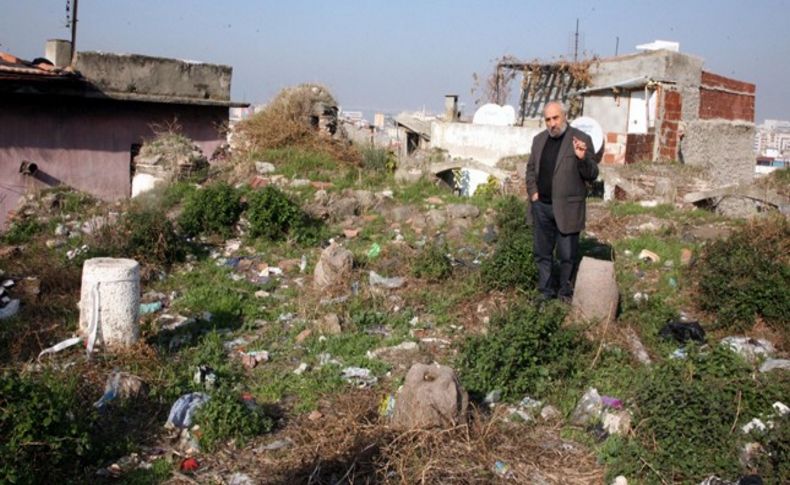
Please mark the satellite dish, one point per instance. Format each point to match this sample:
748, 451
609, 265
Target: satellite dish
591, 128
493, 114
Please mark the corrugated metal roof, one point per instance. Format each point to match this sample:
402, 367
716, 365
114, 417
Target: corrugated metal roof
631, 83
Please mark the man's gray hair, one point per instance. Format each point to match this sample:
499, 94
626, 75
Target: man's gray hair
559, 103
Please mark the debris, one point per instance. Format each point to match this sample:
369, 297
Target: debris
493, 397
685, 256
206, 376
374, 251
681, 332
647, 255
9, 309
611, 402
359, 377
315, 415
393, 352
329, 324
333, 266
189, 465
376, 279
251, 359
431, 396
637, 348
60, 346
387, 406
239, 478
620, 480
780, 408
618, 422
648, 203
550, 413
303, 335
772, 364
679, 354
640, 297
749, 348
237, 342
146, 308
303, 263
351, 233
301, 369
754, 424
502, 469
264, 168
121, 385
184, 409
588, 409
276, 445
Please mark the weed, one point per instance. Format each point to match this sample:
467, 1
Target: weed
22, 231
525, 351
748, 275
512, 264
378, 159
214, 209
225, 416
432, 262
46, 429
488, 190
688, 410
274, 216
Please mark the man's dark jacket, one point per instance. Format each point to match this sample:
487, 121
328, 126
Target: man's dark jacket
568, 189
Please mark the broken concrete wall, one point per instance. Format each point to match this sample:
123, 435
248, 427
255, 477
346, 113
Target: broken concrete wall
484, 143
724, 148
661, 65
155, 76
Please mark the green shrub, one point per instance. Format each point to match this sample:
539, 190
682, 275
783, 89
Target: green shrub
512, 264
748, 275
488, 190
432, 263
274, 216
378, 159
45, 428
144, 234
511, 216
225, 416
214, 209
525, 351
22, 231
689, 413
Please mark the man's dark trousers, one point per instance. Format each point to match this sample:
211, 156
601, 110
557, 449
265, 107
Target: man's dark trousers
546, 236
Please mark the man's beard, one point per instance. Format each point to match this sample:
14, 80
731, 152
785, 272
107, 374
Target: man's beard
559, 130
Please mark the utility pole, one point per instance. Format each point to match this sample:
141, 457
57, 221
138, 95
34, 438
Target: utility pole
73, 33
616, 46
575, 42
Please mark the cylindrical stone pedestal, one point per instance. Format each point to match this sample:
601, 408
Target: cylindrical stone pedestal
110, 301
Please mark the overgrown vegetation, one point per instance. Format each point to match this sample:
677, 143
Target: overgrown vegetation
274, 216
748, 275
432, 263
512, 264
526, 351
689, 413
227, 416
214, 209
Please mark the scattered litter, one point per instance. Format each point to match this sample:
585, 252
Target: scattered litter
146, 308
184, 409
493, 397
60, 346
237, 342
387, 406
620, 480
390, 283
8, 283
251, 359
679, 354
172, 322
301, 369
374, 250
550, 412
359, 377
588, 409
435, 340
611, 402
648, 203
276, 445
673, 282
189, 465
772, 364
628, 253
754, 424
325, 358
206, 376
303, 264
647, 255
598, 432
120, 385
9, 310
502, 469
640, 297
403, 347
780, 408
617, 422
239, 478
749, 348
73, 253
286, 317
682, 332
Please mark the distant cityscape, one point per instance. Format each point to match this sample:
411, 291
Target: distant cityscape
772, 144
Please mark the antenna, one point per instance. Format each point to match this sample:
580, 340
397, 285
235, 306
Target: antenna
73, 23
575, 40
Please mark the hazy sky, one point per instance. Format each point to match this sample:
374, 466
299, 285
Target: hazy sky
403, 55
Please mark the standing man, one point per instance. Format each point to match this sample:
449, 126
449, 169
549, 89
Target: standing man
560, 162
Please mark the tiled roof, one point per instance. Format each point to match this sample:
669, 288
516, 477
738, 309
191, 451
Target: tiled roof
10, 64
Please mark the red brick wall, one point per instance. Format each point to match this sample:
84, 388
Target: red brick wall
614, 149
726, 98
639, 148
671, 105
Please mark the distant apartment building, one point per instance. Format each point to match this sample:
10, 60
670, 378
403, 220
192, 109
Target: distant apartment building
772, 139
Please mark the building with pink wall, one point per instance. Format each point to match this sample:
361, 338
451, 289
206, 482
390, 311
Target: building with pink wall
82, 125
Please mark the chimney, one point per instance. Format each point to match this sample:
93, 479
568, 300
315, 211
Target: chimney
451, 107
58, 51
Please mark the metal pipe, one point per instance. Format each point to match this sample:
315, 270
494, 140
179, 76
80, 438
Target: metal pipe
74, 34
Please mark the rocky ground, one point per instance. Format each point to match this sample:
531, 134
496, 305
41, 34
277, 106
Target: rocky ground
319, 338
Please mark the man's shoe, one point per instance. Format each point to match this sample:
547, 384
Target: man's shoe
566, 299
